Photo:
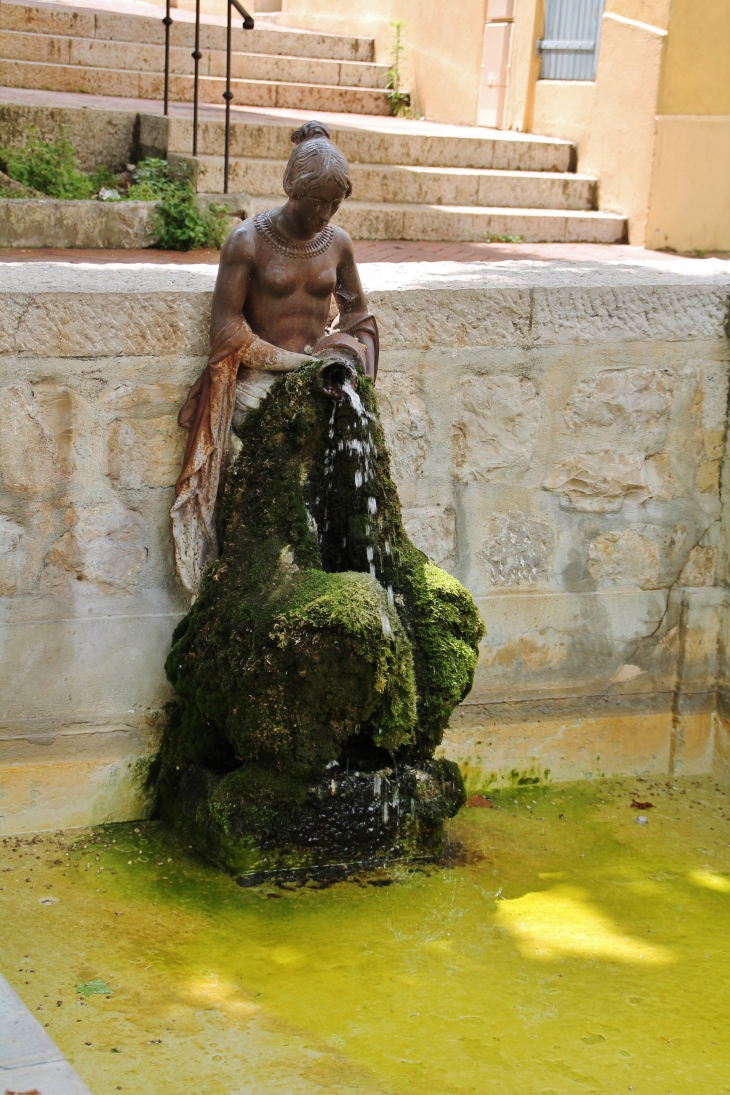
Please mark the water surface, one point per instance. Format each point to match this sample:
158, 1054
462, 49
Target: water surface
564, 948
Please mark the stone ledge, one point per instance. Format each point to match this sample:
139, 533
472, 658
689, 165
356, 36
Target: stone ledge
79, 310
29, 1059
50, 223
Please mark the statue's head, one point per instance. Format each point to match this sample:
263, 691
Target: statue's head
317, 176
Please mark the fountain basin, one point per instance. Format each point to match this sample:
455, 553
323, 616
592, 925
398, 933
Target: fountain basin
561, 947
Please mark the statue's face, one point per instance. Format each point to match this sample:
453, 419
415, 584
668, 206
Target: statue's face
314, 211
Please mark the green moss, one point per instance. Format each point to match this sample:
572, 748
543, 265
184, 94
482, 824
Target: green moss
320, 635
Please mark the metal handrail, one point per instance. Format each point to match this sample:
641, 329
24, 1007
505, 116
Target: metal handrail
167, 23
248, 24
196, 57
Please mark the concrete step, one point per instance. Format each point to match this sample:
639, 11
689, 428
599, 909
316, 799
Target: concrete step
410, 184
401, 221
144, 57
150, 85
416, 144
63, 20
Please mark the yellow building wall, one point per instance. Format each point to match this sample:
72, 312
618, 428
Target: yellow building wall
689, 200
618, 147
654, 127
696, 73
563, 108
689, 206
443, 47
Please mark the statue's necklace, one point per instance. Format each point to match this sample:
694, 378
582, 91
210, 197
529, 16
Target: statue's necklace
284, 246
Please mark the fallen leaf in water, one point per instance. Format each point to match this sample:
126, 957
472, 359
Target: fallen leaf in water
93, 988
642, 805
479, 800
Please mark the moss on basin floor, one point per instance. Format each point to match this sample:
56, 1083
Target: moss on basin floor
566, 949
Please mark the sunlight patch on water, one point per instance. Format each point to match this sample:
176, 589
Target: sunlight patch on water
549, 924
710, 880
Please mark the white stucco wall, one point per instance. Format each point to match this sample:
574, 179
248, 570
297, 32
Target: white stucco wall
557, 432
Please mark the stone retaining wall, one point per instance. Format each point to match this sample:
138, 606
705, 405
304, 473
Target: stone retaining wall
557, 434
39, 222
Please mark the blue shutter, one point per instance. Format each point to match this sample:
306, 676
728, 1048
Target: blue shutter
569, 47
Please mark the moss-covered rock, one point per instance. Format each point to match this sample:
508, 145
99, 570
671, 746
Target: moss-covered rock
323, 651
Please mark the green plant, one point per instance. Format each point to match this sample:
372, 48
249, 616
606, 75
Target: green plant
151, 181
178, 224
50, 167
489, 238
400, 101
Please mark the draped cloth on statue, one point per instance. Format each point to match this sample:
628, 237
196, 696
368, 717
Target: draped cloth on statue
207, 415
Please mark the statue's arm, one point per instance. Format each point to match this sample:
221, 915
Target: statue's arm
353, 306
229, 329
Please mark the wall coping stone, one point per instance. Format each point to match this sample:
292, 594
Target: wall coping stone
68, 277
84, 310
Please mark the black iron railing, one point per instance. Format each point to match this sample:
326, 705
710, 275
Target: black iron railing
248, 24
167, 22
228, 94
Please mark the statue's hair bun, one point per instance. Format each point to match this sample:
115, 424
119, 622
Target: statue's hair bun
308, 131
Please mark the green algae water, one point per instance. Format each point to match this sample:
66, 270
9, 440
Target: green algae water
562, 947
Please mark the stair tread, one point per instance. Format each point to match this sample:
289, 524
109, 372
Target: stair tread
380, 92
143, 11
102, 42
479, 210
422, 169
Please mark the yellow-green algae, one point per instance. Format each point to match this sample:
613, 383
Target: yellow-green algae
565, 949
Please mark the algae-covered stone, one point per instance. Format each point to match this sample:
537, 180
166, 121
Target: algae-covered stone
323, 656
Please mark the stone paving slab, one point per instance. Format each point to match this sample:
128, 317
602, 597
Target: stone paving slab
367, 251
270, 115
30, 1061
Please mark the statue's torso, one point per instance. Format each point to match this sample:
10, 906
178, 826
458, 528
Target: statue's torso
288, 299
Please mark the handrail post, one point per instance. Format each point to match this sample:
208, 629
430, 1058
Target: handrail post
248, 24
227, 95
196, 57
167, 22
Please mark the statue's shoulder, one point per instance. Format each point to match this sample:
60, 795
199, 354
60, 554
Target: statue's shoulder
342, 240
241, 242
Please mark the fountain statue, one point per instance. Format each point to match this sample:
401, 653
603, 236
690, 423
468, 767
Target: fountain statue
323, 654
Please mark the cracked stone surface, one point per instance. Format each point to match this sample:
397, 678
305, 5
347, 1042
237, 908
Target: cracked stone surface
496, 428
600, 482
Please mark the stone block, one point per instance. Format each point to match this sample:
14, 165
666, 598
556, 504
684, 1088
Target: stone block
433, 530
36, 453
517, 551
105, 546
495, 432
600, 482
632, 400
624, 558
145, 452
699, 569
496, 747
49, 223
406, 424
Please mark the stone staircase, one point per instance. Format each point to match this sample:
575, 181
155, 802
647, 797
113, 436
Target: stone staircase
413, 180
417, 185
57, 47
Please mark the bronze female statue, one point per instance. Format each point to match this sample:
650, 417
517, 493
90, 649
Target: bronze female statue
271, 305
